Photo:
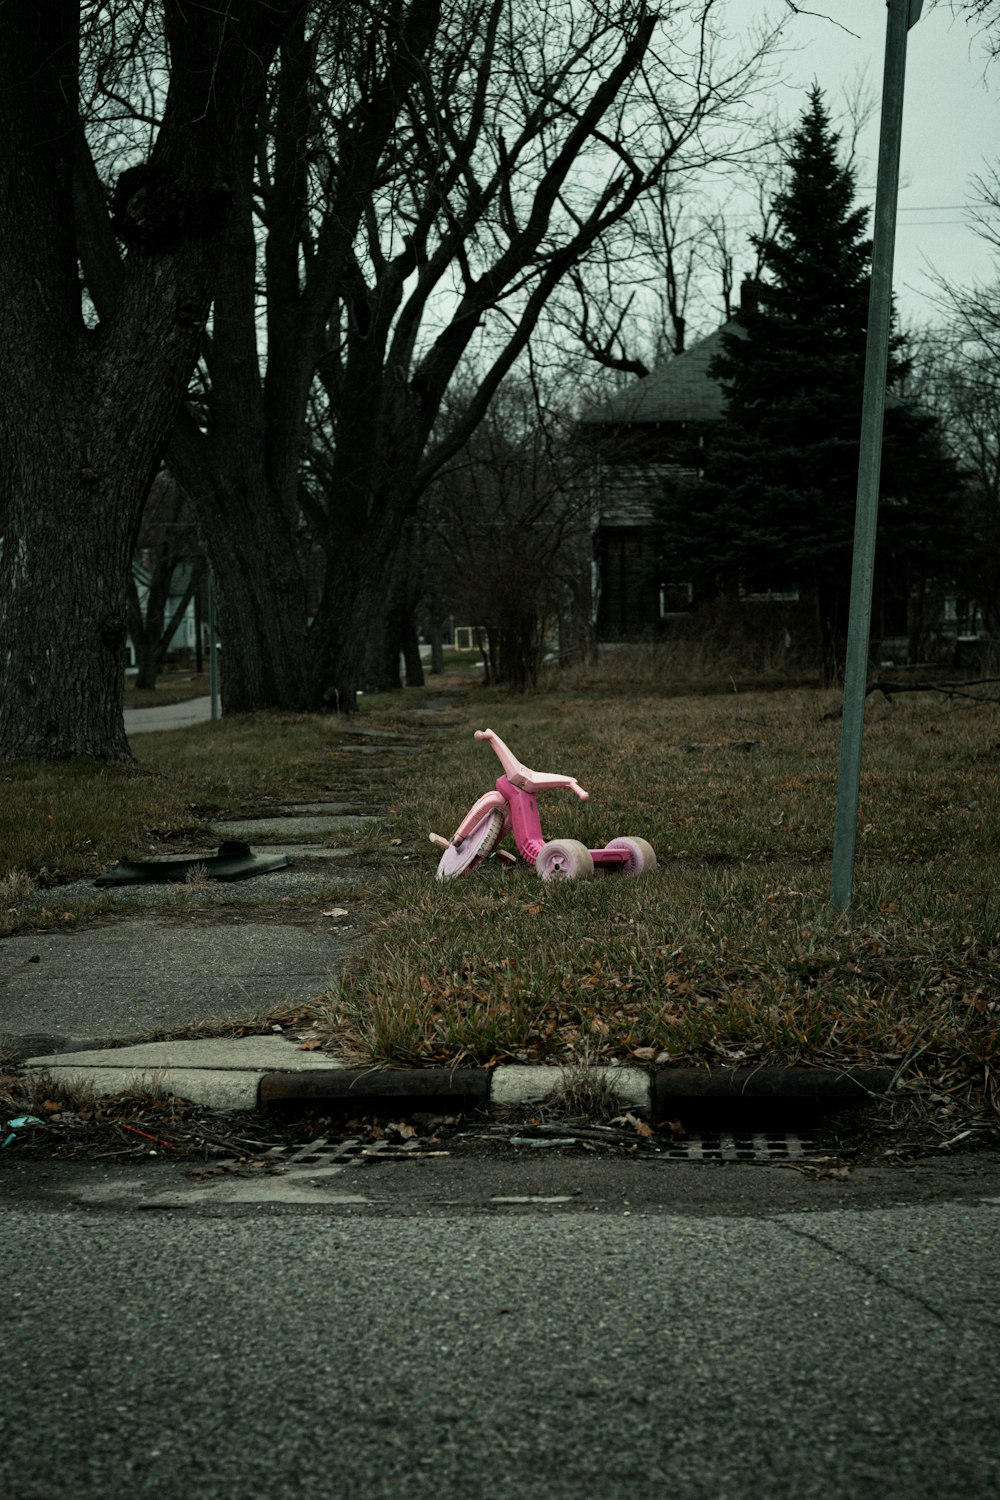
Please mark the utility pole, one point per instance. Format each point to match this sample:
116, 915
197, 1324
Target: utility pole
902, 15
213, 649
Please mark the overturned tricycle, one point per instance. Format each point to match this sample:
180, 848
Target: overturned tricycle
513, 807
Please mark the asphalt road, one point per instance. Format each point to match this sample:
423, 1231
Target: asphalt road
399, 1332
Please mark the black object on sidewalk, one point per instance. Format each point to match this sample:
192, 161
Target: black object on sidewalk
234, 861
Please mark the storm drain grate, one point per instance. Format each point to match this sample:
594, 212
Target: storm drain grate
757, 1146
739, 1146
324, 1153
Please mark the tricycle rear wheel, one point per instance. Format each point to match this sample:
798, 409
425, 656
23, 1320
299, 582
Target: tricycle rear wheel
641, 859
564, 859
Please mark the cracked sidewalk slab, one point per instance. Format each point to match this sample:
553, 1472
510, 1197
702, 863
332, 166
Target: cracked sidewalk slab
219, 1072
157, 973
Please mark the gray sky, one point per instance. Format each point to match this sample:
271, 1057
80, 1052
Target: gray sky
951, 123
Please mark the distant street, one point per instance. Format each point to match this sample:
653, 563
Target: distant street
415, 1330
171, 716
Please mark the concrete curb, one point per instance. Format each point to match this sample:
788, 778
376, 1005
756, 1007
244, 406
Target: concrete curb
656, 1092
267, 1072
220, 1072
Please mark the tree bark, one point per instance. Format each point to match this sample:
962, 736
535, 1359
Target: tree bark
62, 614
412, 659
85, 413
351, 624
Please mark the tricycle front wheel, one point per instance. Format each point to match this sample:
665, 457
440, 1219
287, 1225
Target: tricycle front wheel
474, 848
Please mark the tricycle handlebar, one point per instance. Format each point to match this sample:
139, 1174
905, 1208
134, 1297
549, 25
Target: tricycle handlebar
518, 775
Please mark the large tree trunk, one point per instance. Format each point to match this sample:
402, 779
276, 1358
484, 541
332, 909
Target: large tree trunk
359, 620
353, 621
393, 634
261, 607
243, 474
260, 593
85, 413
61, 649
62, 597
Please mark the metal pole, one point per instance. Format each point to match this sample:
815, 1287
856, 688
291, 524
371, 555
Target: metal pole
213, 655
902, 15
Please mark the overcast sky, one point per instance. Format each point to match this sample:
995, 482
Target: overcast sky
951, 123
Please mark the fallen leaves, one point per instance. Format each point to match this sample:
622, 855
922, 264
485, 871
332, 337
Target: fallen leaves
641, 1127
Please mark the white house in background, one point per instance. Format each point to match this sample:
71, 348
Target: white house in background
185, 637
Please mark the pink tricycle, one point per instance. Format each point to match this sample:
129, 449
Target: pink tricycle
513, 805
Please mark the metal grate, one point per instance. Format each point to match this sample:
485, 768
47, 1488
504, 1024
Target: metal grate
740, 1146
324, 1153
746, 1144
705, 1146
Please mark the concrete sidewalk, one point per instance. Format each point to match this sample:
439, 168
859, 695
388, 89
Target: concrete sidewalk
79, 1006
149, 973
171, 716
208, 955
70, 1000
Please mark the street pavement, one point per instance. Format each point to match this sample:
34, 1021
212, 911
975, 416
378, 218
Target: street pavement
498, 1350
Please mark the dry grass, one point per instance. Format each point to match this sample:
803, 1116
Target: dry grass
68, 820
729, 952
15, 886
586, 1090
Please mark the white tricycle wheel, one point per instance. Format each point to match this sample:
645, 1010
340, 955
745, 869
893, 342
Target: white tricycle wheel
564, 859
641, 857
474, 848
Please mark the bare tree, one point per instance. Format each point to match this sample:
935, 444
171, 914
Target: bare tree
85, 411
675, 264
423, 193
984, 17
388, 207
507, 530
171, 569
957, 376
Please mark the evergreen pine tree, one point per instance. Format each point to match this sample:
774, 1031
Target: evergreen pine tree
777, 500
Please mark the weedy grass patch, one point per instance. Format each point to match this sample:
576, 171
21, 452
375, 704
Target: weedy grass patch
67, 820
728, 952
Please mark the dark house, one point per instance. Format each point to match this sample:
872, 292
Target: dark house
641, 438
653, 432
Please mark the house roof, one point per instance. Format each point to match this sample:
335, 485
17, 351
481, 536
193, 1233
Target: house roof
680, 390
